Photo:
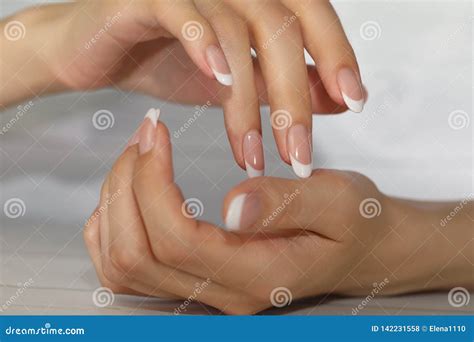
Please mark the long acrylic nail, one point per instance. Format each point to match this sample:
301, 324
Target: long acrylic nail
133, 140
351, 89
147, 131
218, 64
243, 211
253, 154
299, 146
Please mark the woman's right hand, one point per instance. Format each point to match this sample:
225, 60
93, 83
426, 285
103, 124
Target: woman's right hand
176, 50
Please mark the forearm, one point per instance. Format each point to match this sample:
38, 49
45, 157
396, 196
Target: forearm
431, 246
25, 55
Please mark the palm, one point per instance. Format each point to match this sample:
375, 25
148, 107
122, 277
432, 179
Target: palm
162, 68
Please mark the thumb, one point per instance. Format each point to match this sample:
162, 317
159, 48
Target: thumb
268, 203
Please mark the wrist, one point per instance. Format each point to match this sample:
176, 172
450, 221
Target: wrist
26, 64
421, 253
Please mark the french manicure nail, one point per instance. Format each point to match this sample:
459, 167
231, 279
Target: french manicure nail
133, 140
300, 150
243, 211
147, 131
218, 64
351, 89
253, 154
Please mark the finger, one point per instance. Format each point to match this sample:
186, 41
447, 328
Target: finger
159, 199
273, 204
321, 102
92, 241
325, 40
110, 268
169, 230
288, 89
109, 273
185, 251
184, 22
241, 105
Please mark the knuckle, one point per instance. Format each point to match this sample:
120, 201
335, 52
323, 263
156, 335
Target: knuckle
112, 273
126, 260
89, 235
168, 251
282, 23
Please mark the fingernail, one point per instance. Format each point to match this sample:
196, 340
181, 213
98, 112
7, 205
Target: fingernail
147, 131
253, 154
300, 150
243, 211
218, 64
351, 89
133, 140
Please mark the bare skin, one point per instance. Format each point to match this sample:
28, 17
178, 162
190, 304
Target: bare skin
161, 48
323, 241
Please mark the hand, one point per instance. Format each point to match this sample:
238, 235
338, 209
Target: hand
176, 49
332, 233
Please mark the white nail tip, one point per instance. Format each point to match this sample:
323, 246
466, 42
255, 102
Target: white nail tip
153, 114
224, 79
354, 105
234, 213
252, 172
301, 170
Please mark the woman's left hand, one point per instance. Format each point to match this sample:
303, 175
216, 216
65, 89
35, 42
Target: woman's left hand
287, 239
